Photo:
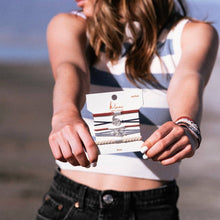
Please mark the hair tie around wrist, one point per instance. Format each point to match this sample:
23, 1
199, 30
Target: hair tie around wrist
192, 126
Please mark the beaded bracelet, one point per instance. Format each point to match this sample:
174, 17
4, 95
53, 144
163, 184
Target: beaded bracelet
188, 123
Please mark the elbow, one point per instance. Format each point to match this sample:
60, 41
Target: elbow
74, 73
64, 68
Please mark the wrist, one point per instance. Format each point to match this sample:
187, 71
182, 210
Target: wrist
65, 114
191, 126
69, 108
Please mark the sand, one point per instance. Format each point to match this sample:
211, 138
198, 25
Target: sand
27, 165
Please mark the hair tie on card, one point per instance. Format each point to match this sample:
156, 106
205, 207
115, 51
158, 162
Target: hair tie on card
118, 140
115, 112
116, 124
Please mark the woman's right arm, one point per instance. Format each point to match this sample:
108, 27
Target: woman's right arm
70, 136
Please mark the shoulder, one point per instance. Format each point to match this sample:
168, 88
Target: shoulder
66, 39
64, 23
199, 44
200, 34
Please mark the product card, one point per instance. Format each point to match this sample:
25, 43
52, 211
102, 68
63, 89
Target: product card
116, 120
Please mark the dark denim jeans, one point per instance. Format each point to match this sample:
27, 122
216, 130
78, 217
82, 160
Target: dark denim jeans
67, 200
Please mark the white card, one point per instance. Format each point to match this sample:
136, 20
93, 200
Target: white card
116, 120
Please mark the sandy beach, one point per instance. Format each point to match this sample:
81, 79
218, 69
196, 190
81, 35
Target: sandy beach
26, 165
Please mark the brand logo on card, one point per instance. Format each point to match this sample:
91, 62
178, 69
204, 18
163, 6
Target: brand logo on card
135, 96
113, 106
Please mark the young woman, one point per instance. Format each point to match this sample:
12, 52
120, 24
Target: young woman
124, 45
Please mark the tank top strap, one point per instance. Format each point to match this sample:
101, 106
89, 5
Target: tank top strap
78, 13
176, 34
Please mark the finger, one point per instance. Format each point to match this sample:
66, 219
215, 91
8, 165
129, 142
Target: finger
173, 149
66, 149
168, 153
170, 139
72, 160
56, 149
90, 145
158, 134
178, 156
76, 146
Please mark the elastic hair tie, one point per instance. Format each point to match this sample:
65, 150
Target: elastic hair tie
119, 140
192, 126
117, 127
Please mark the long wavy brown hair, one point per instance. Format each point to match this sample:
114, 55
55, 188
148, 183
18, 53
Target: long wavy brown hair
107, 28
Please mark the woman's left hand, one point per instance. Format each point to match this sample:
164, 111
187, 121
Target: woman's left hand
170, 144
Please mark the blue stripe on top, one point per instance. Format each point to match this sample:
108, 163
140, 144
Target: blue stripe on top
165, 48
154, 116
103, 78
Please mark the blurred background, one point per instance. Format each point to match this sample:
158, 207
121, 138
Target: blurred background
27, 165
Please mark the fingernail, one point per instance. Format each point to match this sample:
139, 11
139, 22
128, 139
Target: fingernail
88, 166
94, 164
144, 149
145, 157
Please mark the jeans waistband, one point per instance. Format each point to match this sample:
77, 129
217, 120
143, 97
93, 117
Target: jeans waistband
89, 197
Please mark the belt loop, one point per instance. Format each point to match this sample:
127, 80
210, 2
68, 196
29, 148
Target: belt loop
127, 201
100, 200
81, 198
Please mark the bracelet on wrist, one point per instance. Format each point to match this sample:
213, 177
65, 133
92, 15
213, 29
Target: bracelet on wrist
188, 123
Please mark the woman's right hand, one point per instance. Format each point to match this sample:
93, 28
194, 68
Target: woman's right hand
70, 140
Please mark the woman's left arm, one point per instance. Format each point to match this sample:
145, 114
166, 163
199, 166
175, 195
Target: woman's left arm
171, 142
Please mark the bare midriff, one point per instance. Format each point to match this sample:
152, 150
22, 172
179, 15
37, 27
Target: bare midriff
111, 182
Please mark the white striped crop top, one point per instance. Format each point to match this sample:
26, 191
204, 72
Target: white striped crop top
108, 77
